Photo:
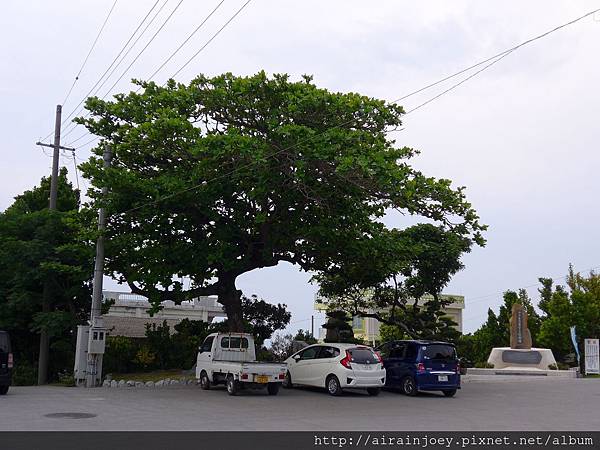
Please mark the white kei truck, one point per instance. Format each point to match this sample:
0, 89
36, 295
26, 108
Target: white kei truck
230, 359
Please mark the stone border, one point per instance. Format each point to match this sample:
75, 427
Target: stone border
148, 384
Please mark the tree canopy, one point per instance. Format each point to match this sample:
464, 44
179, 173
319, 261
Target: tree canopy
229, 174
40, 247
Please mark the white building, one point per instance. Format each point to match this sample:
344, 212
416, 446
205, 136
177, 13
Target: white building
128, 315
367, 328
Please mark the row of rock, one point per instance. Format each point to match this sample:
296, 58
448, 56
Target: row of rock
148, 384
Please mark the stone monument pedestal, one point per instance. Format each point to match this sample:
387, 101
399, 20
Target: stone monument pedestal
519, 359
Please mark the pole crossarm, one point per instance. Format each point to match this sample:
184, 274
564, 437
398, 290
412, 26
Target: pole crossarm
53, 146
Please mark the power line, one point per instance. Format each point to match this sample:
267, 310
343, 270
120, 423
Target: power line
189, 37
95, 89
90, 52
145, 47
211, 39
186, 40
528, 41
494, 59
115, 58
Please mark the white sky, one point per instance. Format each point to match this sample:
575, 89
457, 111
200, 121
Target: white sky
522, 136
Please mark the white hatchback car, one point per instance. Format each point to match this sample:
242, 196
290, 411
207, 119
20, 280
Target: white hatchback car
336, 367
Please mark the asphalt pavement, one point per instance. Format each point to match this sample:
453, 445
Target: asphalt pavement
498, 405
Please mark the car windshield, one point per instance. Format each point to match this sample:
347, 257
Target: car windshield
362, 355
439, 352
4, 345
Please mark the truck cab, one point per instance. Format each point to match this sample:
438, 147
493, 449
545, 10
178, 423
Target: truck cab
230, 359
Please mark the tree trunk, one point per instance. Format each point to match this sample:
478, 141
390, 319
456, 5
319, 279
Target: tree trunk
231, 299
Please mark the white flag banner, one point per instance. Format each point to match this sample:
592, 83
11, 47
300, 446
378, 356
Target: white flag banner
592, 356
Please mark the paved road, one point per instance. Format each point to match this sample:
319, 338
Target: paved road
540, 404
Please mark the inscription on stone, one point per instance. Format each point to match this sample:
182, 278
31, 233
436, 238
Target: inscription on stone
520, 337
512, 357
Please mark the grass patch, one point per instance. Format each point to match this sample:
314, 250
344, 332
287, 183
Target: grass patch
592, 376
153, 376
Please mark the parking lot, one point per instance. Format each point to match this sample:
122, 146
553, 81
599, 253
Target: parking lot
482, 404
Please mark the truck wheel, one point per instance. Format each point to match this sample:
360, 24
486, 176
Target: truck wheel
232, 386
3, 390
333, 386
204, 381
450, 393
287, 382
272, 388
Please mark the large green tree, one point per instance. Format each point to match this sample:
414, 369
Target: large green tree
229, 174
38, 248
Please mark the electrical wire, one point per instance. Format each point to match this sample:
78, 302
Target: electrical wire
97, 89
144, 49
211, 39
493, 60
115, 58
186, 40
90, 52
177, 50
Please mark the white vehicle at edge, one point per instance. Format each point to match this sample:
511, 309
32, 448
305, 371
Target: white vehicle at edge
336, 367
230, 359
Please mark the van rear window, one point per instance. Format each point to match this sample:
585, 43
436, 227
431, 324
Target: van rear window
439, 351
4, 343
362, 355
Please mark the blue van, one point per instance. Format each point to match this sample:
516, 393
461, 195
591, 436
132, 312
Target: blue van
414, 366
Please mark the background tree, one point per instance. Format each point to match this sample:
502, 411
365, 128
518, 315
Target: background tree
338, 327
390, 282
259, 318
38, 245
229, 174
578, 306
305, 336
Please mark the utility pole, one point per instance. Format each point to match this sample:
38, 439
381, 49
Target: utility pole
44, 338
312, 326
97, 339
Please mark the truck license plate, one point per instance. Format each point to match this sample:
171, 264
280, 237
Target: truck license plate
262, 379
442, 377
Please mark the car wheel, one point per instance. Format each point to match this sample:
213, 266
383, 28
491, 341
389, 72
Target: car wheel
273, 388
4, 390
204, 381
333, 386
373, 391
232, 386
409, 387
450, 393
287, 382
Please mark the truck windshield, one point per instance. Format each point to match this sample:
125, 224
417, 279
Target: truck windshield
362, 355
439, 352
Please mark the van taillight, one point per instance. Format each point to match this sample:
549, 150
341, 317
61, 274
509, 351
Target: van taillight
421, 368
10, 361
244, 376
379, 357
345, 361
458, 368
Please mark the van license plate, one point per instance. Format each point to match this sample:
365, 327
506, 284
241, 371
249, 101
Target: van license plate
262, 379
442, 377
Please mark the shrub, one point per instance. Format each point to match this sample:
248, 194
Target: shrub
145, 358
484, 365
24, 374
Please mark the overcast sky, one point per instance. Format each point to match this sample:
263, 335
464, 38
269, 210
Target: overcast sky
523, 136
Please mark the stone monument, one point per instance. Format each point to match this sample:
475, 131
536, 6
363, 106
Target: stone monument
521, 356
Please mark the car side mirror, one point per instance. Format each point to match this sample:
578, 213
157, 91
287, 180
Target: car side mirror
296, 358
